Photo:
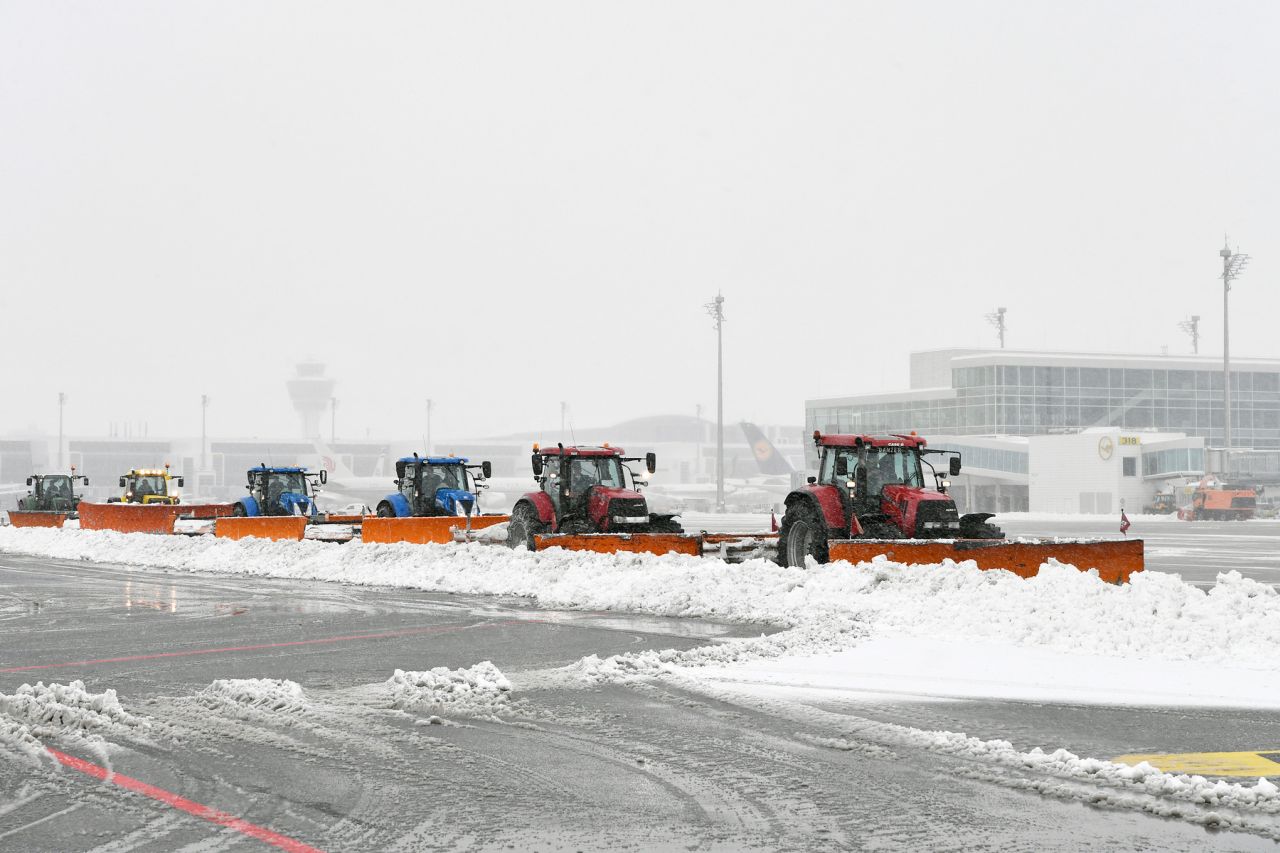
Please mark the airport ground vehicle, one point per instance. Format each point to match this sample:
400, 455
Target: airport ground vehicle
277, 490
149, 486
434, 485
870, 494
52, 493
1163, 503
1214, 500
583, 490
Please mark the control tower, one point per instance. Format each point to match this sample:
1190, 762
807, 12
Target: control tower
311, 392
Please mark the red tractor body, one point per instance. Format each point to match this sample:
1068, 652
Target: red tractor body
584, 490
873, 487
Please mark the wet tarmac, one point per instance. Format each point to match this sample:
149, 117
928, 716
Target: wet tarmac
573, 765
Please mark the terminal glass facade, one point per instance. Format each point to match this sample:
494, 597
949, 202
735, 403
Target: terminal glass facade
1029, 399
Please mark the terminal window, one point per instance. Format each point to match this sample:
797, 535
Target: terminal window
1129, 466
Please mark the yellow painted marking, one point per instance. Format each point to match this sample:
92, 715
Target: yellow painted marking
1261, 763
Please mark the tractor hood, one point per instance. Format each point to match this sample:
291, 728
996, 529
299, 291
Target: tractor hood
610, 507
455, 501
292, 503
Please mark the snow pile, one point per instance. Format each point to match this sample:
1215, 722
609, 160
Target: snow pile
478, 691
825, 635
1237, 621
40, 711
241, 696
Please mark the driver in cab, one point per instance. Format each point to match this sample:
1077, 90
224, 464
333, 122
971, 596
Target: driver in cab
882, 472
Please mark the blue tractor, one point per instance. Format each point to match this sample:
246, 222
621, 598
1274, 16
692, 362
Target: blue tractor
434, 485
280, 491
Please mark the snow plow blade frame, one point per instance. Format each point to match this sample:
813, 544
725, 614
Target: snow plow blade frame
37, 518
1115, 561
631, 543
281, 527
130, 518
423, 530
207, 511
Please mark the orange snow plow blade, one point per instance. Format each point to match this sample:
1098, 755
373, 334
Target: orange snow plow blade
130, 518
1115, 561
204, 511
633, 543
37, 518
288, 527
423, 531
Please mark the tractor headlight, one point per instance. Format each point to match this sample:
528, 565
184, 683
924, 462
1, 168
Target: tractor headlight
946, 484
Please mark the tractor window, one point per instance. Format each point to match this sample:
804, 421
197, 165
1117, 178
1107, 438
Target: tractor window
888, 466
828, 473
57, 487
585, 472
442, 477
407, 482
149, 485
280, 482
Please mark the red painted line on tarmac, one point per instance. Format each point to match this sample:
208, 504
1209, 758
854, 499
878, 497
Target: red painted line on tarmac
191, 807
408, 632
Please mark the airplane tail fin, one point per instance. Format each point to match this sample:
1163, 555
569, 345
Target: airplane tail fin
329, 459
769, 460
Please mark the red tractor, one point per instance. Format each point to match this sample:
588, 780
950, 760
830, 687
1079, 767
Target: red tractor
873, 487
584, 490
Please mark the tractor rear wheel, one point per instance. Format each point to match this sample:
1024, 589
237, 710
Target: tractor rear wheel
524, 525
803, 534
385, 510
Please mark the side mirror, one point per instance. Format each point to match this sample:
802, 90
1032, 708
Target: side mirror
29, 481
122, 482
182, 481
537, 465
842, 466
811, 480
955, 465
86, 480
324, 476
486, 469
651, 462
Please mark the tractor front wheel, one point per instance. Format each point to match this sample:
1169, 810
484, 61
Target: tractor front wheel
524, 525
239, 511
385, 510
803, 534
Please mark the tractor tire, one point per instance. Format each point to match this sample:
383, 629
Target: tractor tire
524, 525
238, 511
662, 524
385, 510
803, 534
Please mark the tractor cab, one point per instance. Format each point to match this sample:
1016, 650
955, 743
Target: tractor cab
52, 493
149, 486
280, 491
874, 487
585, 490
435, 485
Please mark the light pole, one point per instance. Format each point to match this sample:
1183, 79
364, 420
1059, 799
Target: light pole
697, 453
1233, 263
716, 310
997, 319
204, 432
333, 420
1192, 328
430, 404
62, 399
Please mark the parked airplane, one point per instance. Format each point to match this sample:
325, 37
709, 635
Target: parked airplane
751, 494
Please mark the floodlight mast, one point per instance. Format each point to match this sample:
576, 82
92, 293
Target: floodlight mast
1192, 328
716, 310
1233, 263
996, 319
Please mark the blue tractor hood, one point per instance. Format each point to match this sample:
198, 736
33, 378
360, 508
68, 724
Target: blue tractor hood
455, 501
293, 503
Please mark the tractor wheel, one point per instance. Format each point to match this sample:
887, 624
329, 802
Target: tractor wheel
385, 510
803, 534
664, 524
524, 525
238, 511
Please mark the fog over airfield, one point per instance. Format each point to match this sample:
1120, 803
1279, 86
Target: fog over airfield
503, 206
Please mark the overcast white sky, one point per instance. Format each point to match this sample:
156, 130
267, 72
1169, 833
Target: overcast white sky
505, 205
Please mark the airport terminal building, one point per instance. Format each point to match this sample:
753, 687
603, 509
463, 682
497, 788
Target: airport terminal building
1074, 432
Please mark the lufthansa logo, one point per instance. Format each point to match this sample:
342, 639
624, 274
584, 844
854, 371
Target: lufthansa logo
1106, 447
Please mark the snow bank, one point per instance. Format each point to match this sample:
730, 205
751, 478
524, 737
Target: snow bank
478, 691
1237, 621
241, 696
68, 710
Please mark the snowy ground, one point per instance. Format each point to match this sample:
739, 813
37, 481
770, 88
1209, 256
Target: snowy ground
842, 639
